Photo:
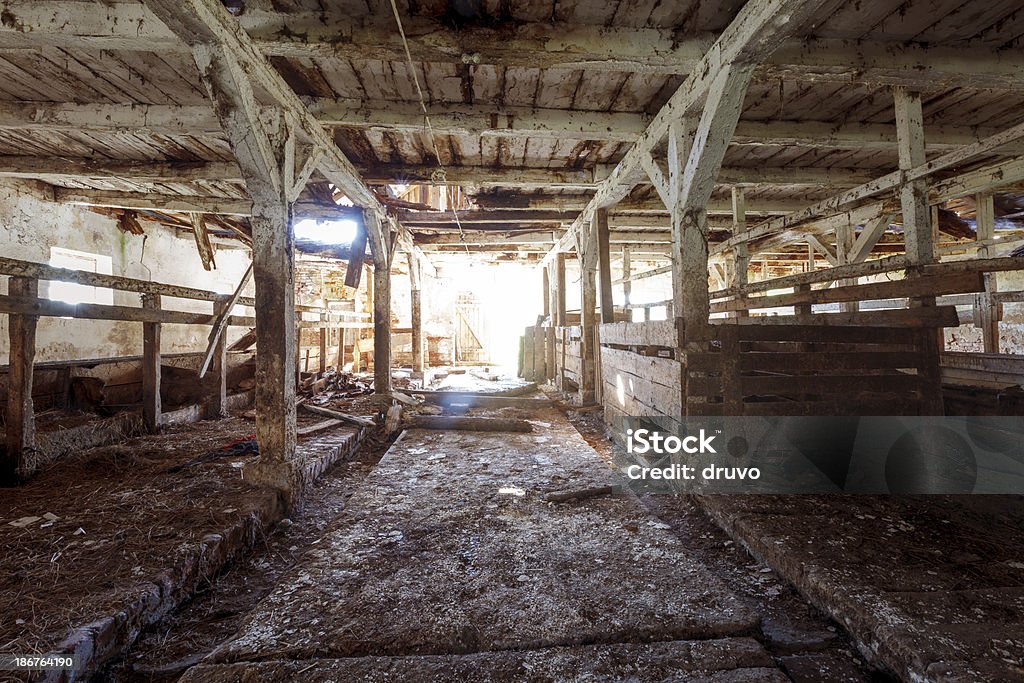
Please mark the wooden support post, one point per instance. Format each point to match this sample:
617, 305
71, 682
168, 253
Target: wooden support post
560, 290
18, 460
381, 329
382, 254
540, 370
804, 308
298, 349
918, 233
604, 265
340, 360
552, 297
529, 354
276, 344
218, 404
545, 287
151, 409
742, 254
627, 284
917, 229
323, 349
986, 310
549, 349
415, 282
587, 249
844, 248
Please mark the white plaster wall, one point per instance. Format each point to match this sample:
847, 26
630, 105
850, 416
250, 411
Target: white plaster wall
30, 225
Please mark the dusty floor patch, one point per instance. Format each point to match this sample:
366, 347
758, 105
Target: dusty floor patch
449, 548
191, 632
932, 586
125, 520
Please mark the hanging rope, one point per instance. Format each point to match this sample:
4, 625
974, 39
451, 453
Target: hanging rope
440, 175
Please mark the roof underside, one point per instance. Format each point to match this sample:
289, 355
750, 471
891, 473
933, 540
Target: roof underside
514, 127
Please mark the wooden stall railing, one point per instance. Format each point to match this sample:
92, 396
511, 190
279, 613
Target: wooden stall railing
775, 366
815, 370
640, 374
25, 306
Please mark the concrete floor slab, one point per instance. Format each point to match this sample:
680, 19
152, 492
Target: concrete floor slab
449, 547
930, 587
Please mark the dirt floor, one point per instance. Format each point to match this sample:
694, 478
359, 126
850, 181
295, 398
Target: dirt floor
444, 562
191, 632
448, 559
803, 641
931, 586
128, 516
485, 592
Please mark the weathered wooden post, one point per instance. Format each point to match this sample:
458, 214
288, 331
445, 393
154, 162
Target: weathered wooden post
151, 408
21, 424
416, 283
917, 233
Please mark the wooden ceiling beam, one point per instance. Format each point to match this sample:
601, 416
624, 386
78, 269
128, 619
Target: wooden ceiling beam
202, 24
139, 201
131, 26
751, 37
540, 237
575, 203
459, 119
57, 168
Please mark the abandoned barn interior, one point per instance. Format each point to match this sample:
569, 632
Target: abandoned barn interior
323, 321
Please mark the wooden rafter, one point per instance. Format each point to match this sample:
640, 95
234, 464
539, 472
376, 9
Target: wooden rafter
751, 37
462, 119
130, 26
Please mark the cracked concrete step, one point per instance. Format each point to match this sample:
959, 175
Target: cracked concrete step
728, 660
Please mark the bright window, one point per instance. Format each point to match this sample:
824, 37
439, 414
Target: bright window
72, 292
326, 232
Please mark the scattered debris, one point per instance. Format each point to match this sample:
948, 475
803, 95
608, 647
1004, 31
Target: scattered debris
393, 421
243, 446
579, 494
24, 521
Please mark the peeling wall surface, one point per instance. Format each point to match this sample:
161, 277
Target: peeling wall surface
31, 225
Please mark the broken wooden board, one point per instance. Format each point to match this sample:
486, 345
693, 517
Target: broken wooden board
318, 427
393, 421
579, 494
472, 424
344, 417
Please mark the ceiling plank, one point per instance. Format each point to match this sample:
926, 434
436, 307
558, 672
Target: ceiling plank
131, 26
